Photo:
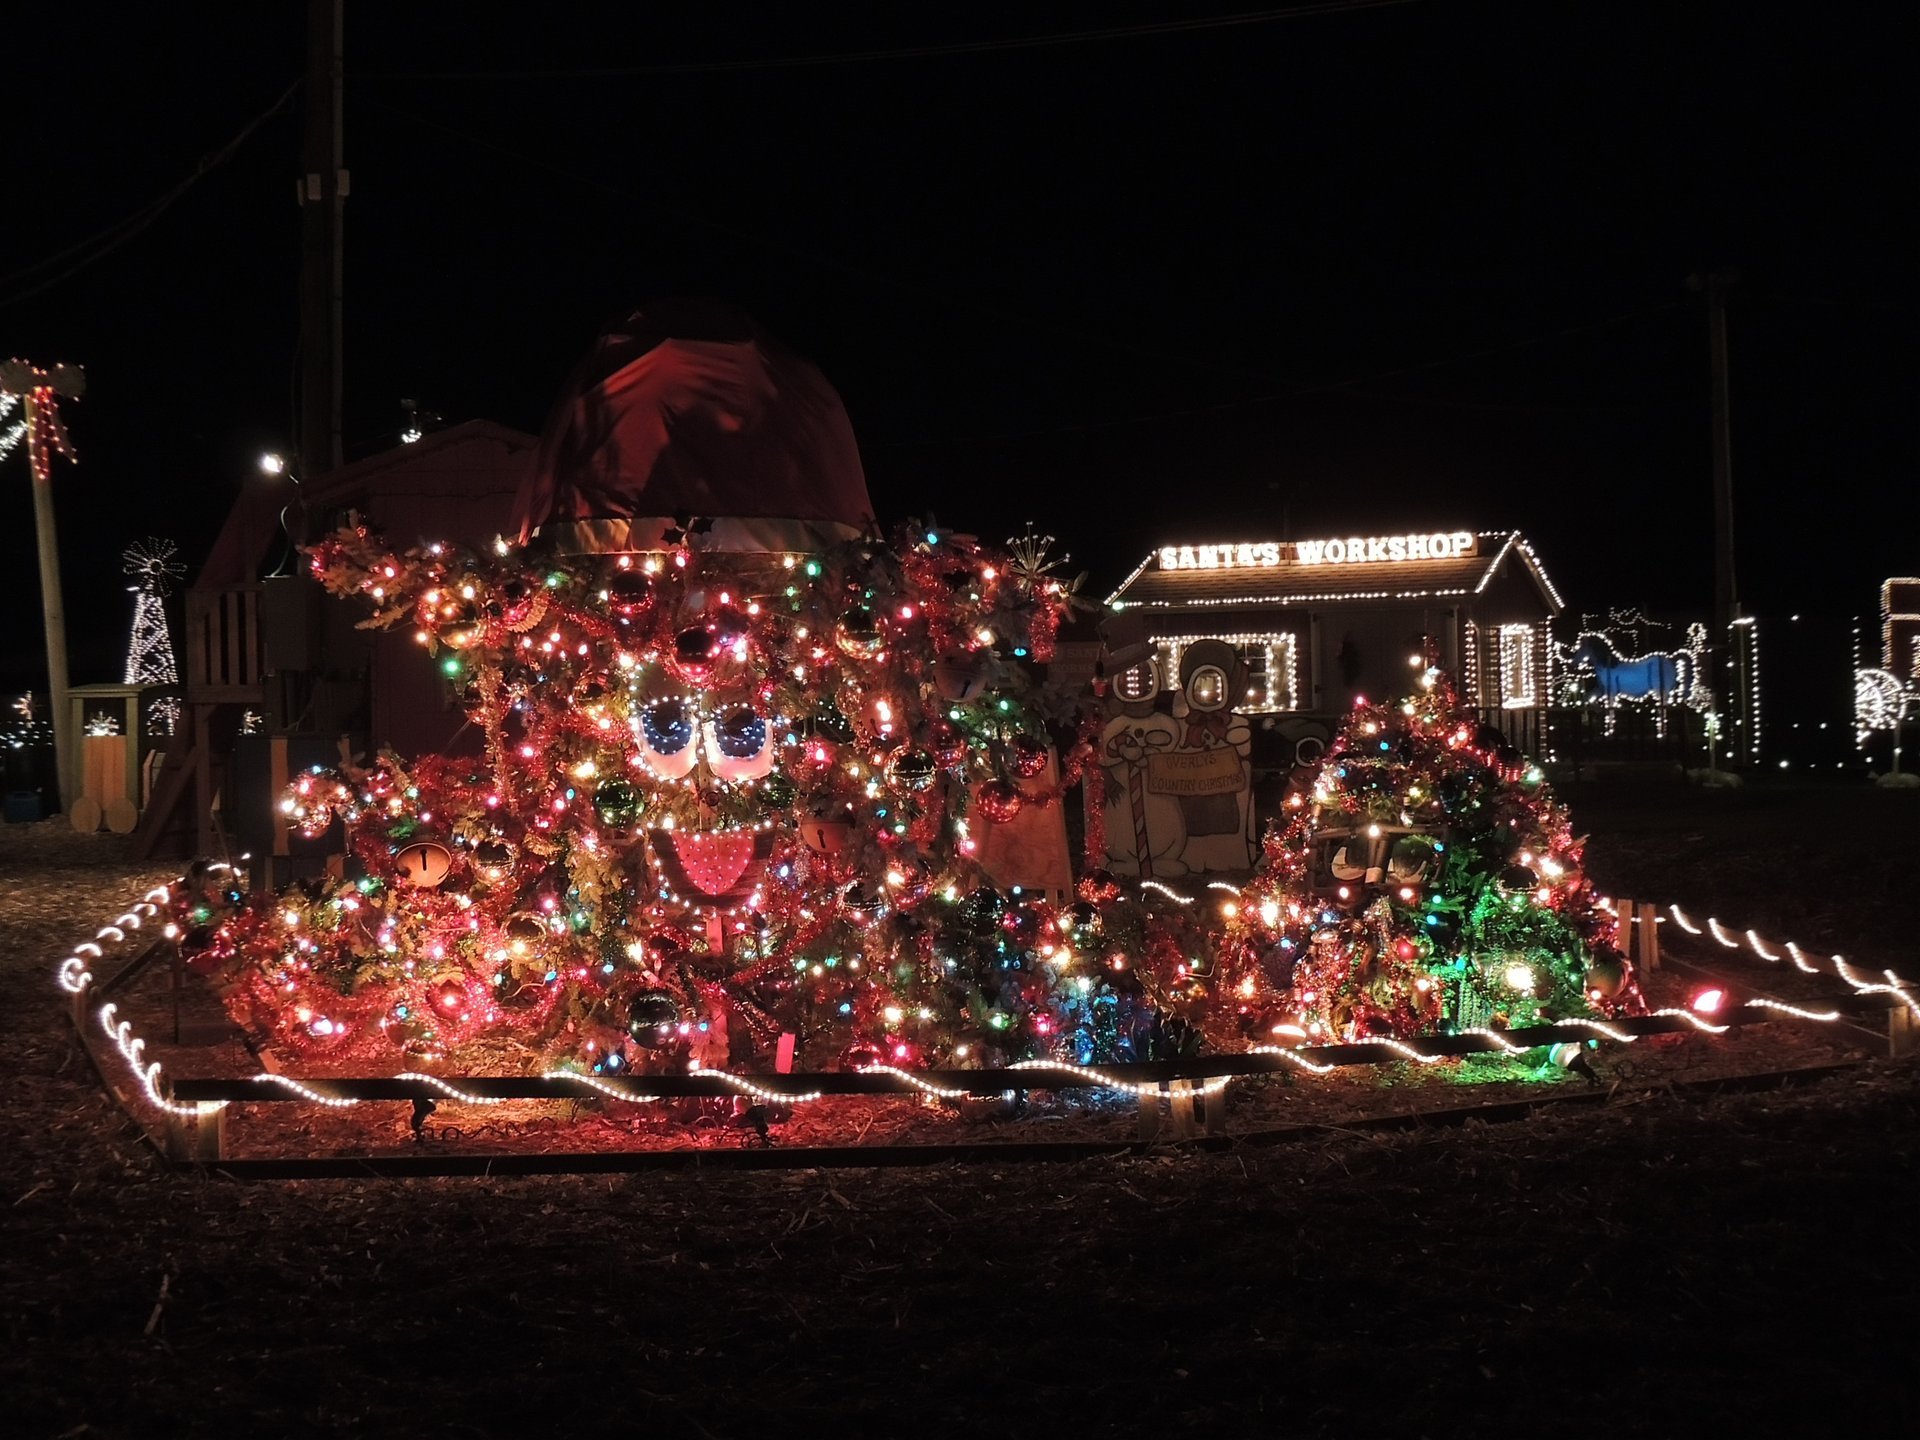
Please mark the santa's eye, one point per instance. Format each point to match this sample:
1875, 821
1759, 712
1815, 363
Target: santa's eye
667, 726
740, 733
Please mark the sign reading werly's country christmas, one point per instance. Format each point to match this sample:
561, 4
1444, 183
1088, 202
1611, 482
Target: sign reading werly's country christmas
1345, 550
1196, 772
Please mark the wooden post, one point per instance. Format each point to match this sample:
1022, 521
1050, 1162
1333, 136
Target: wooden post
1150, 1114
1180, 1102
1649, 939
199, 1135
1623, 912
1903, 1031
40, 392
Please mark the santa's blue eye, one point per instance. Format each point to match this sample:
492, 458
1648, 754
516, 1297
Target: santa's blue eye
741, 733
666, 726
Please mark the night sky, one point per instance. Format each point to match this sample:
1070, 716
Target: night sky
1412, 266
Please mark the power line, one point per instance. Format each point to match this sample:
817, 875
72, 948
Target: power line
101, 243
906, 52
911, 285
1221, 407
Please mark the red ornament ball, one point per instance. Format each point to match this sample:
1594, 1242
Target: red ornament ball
629, 593
948, 742
1029, 756
862, 1055
450, 999
998, 801
696, 651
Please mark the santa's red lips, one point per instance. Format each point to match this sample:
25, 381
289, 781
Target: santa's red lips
716, 865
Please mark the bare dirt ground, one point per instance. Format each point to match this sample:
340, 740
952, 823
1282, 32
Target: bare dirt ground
1661, 1263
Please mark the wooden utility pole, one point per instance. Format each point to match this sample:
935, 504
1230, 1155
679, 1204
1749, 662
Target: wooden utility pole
323, 193
1726, 595
40, 393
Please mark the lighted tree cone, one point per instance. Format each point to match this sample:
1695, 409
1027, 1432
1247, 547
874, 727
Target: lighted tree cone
1430, 881
742, 781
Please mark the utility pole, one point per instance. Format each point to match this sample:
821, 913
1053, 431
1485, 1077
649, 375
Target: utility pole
323, 193
40, 392
1727, 689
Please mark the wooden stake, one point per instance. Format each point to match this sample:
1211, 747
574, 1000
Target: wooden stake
1903, 1031
199, 1135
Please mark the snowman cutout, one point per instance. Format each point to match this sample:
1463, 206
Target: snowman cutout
1144, 829
1216, 742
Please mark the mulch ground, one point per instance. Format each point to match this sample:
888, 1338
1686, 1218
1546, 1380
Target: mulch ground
1662, 1262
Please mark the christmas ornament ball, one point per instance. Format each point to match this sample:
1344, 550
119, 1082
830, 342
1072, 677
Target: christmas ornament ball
1606, 976
651, 1016
911, 770
857, 635
493, 854
618, 803
825, 832
948, 743
998, 801
980, 911
863, 906
862, 1055
696, 651
1084, 926
1029, 756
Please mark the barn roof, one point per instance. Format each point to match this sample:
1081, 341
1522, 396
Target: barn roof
1288, 580
685, 410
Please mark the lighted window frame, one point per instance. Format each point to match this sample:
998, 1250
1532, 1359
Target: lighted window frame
1519, 688
1273, 673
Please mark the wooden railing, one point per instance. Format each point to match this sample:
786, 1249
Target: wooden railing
225, 658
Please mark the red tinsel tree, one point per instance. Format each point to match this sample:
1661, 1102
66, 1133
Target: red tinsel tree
726, 797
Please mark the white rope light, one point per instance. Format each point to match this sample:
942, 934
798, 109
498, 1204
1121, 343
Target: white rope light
924, 1086
452, 1092
747, 1087
1294, 1056
132, 1049
1760, 1002
305, 1092
1695, 1021
594, 1083
1894, 985
1211, 1087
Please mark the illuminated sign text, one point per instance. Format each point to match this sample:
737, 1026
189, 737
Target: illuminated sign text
1346, 550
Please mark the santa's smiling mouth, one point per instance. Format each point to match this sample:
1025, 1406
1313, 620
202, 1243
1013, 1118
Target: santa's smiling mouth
715, 865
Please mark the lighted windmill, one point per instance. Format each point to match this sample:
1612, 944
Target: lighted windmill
150, 646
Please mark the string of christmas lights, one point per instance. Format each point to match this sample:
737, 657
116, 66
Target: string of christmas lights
1889, 984
75, 975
